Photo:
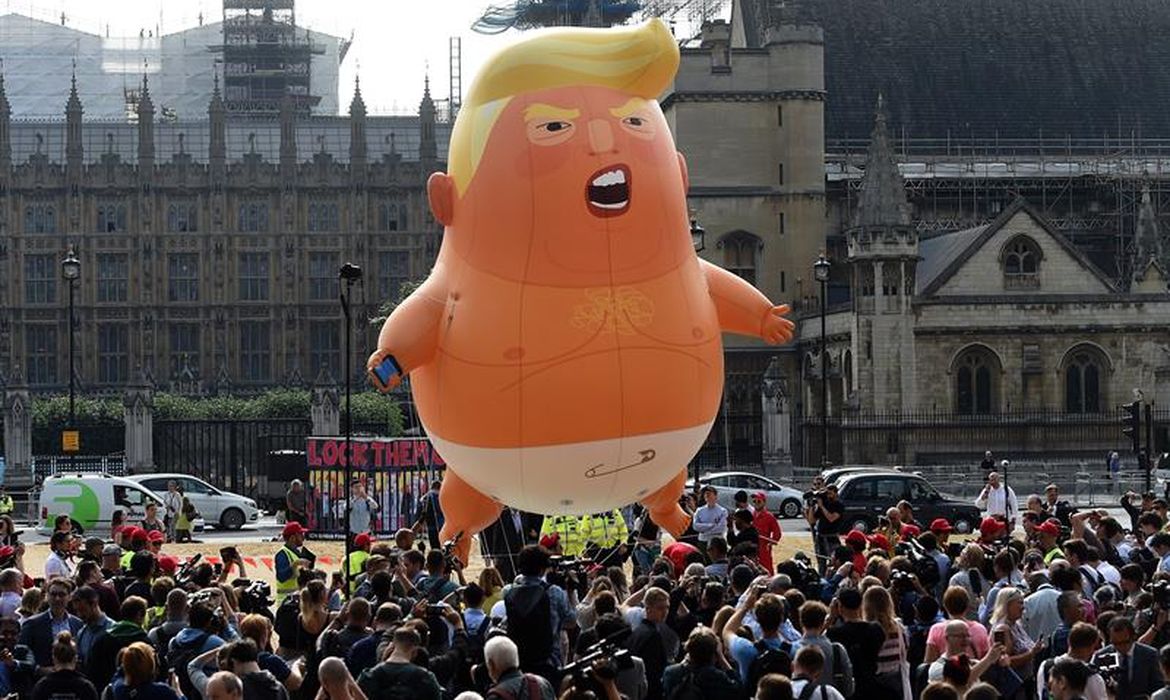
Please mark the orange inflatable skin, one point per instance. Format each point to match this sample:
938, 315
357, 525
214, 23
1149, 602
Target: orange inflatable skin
565, 352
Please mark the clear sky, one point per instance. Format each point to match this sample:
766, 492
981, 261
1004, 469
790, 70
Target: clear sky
395, 41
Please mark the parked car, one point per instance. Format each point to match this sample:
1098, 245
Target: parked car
831, 476
228, 511
867, 495
90, 500
784, 501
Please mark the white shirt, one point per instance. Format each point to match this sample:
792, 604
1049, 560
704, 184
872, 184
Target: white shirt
1000, 501
56, 566
830, 693
1110, 572
710, 522
173, 501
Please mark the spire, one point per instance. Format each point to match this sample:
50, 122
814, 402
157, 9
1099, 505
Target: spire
1147, 241
357, 106
5, 136
145, 104
883, 194
145, 130
357, 126
427, 148
5, 107
73, 111
74, 102
288, 132
217, 139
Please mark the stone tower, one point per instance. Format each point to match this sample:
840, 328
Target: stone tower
883, 257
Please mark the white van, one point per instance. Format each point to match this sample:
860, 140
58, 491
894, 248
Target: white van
91, 499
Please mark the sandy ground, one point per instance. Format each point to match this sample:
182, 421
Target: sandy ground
258, 555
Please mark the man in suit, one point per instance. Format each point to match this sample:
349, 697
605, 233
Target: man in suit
39, 631
1139, 671
504, 539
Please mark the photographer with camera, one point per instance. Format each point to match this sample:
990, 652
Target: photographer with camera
704, 671
825, 514
1138, 671
536, 612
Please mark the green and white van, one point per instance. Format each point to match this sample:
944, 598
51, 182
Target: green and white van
91, 499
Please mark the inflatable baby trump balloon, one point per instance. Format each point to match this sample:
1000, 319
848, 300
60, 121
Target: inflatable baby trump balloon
565, 352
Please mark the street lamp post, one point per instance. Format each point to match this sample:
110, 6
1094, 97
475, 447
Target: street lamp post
699, 241
349, 276
821, 270
71, 272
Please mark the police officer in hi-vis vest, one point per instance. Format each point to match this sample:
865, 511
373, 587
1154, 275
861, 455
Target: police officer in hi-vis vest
289, 560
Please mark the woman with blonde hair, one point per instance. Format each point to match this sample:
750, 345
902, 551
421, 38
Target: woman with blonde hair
30, 603
1007, 629
136, 681
969, 578
893, 669
64, 682
493, 587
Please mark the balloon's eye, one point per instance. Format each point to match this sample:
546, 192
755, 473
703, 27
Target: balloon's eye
634, 121
556, 126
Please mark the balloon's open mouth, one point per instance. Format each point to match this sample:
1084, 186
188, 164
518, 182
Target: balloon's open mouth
608, 191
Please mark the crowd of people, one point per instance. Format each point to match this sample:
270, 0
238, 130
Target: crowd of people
1062, 604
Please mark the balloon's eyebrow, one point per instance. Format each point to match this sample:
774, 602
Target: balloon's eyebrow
539, 110
630, 108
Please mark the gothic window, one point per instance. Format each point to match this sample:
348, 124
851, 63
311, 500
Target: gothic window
255, 351
253, 276
252, 217
890, 275
323, 276
393, 271
40, 345
740, 254
113, 340
40, 218
391, 216
1021, 263
182, 217
183, 277
111, 217
865, 279
113, 277
323, 216
1084, 371
40, 279
184, 348
976, 372
325, 347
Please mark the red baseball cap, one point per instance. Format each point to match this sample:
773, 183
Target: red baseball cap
156, 536
550, 540
168, 564
291, 529
880, 541
855, 537
362, 540
910, 530
1049, 528
760, 495
136, 534
940, 525
990, 526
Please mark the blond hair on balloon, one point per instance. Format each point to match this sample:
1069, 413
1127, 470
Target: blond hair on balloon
640, 61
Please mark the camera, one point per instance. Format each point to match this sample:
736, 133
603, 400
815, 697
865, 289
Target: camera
901, 578
256, 597
606, 658
436, 610
1160, 590
1108, 666
450, 561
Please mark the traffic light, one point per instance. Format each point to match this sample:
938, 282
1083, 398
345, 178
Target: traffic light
1132, 424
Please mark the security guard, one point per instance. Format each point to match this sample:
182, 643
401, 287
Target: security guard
6, 504
357, 559
567, 527
289, 560
605, 536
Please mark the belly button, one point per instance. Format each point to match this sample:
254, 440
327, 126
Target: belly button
514, 353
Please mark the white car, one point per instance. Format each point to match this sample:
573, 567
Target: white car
223, 509
784, 501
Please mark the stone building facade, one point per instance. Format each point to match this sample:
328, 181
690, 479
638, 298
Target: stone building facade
210, 248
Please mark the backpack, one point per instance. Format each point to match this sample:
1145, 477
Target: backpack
160, 639
926, 569
529, 622
841, 682
285, 625
263, 686
769, 660
687, 690
529, 690
976, 581
180, 656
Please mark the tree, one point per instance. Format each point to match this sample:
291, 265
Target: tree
404, 290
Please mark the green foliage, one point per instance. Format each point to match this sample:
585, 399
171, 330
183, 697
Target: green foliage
371, 411
51, 412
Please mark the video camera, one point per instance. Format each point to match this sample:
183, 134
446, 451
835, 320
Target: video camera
1109, 667
450, 561
256, 597
186, 570
607, 658
568, 572
1160, 590
811, 497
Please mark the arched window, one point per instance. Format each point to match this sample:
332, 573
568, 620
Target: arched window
976, 371
740, 251
1021, 263
1085, 369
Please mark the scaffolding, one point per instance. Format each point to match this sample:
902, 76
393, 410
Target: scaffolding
1089, 189
267, 59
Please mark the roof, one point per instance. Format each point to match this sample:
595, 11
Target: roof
951, 255
993, 68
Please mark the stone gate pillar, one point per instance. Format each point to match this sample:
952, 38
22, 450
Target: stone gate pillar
138, 406
18, 452
777, 417
325, 408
